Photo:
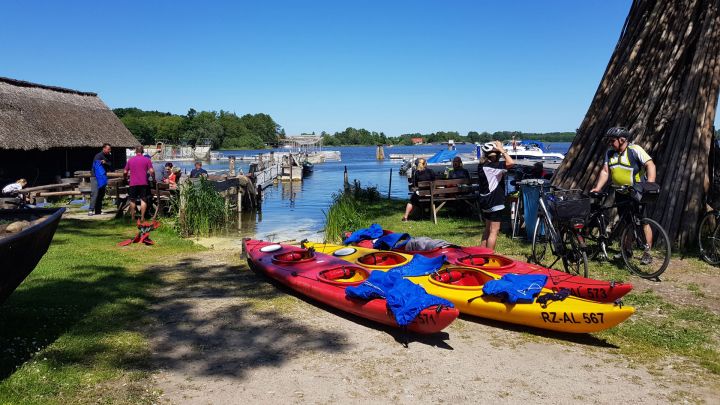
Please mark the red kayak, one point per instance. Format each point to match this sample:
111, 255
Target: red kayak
484, 258
325, 277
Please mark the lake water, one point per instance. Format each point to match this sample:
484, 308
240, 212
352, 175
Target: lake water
296, 211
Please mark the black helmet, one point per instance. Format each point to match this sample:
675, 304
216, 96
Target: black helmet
618, 132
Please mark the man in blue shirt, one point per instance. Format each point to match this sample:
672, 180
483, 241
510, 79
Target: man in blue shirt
98, 193
198, 171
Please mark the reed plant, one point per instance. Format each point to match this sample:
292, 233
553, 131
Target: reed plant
202, 211
347, 212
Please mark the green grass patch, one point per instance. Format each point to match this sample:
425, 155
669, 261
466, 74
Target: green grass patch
695, 289
69, 328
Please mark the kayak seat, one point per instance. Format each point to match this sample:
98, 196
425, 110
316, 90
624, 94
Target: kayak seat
344, 275
382, 259
462, 277
486, 261
295, 256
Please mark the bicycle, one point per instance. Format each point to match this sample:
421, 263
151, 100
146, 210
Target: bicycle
644, 244
562, 236
709, 237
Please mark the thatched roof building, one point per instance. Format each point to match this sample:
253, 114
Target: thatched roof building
47, 131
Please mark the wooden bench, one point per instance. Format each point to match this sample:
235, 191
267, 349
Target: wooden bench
439, 192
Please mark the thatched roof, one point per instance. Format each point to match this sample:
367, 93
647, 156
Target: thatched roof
34, 116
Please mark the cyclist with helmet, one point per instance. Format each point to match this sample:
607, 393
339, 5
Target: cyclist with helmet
491, 171
626, 164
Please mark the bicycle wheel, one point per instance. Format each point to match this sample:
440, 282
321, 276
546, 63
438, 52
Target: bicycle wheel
540, 242
594, 244
647, 258
574, 257
709, 237
518, 219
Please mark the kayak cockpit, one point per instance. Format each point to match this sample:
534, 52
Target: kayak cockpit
486, 261
344, 275
460, 277
295, 256
382, 259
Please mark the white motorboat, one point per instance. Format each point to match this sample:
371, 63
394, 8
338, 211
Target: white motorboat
531, 150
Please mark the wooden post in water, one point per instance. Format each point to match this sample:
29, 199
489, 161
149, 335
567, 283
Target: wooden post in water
380, 153
239, 196
231, 161
390, 185
346, 182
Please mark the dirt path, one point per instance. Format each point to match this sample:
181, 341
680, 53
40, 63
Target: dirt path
222, 334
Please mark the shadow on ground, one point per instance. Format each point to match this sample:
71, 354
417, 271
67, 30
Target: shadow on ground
216, 319
45, 308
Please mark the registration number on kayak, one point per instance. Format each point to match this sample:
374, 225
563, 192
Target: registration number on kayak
564, 317
592, 293
426, 319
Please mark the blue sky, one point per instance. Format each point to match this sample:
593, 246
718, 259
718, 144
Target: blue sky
392, 66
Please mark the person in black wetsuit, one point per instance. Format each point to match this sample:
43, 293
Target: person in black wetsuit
421, 173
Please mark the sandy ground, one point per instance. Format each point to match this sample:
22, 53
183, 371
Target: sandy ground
223, 335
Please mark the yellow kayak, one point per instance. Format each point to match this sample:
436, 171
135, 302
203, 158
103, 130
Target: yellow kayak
463, 287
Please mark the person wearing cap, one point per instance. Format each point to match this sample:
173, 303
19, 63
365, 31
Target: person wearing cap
626, 164
491, 171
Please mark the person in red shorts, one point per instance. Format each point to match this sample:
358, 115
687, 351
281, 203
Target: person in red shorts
138, 168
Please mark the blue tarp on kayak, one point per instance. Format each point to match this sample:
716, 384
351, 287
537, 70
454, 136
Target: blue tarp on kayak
516, 287
392, 241
374, 231
443, 156
404, 298
420, 266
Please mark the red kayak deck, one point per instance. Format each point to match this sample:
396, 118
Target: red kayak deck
324, 278
484, 258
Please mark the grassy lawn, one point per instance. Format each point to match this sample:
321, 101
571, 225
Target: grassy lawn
68, 332
659, 329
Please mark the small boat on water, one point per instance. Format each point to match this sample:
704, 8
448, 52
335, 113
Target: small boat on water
307, 168
20, 252
325, 278
531, 150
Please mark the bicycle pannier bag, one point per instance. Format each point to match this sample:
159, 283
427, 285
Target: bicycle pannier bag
646, 192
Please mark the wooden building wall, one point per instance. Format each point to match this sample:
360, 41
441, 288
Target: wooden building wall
42, 167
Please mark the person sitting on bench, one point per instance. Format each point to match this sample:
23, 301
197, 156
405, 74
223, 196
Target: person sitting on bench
421, 173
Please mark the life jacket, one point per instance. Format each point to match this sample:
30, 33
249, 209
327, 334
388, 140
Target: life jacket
628, 167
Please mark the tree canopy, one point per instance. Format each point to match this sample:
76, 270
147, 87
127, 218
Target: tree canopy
224, 129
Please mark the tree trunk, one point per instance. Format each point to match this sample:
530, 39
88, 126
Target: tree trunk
662, 82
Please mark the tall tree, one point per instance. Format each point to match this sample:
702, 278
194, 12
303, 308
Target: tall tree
662, 82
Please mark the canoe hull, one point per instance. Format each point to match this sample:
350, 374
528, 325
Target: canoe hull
305, 278
21, 252
573, 314
591, 289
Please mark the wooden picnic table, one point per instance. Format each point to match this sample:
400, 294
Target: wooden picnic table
441, 191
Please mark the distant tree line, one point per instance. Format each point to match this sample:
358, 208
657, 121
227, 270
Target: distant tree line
255, 131
224, 129
352, 136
